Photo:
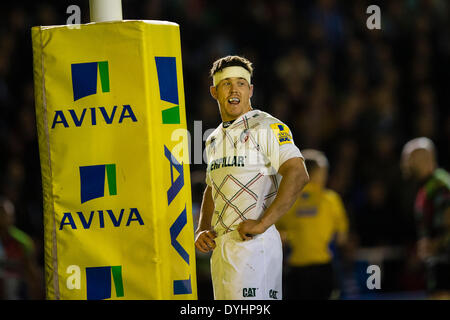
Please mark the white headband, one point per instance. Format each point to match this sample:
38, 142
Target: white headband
231, 72
418, 143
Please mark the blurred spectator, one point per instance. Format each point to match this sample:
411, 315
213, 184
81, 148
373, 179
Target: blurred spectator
315, 221
19, 275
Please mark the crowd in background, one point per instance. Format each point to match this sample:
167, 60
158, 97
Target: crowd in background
356, 94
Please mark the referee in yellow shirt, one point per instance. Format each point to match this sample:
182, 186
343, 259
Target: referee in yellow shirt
316, 219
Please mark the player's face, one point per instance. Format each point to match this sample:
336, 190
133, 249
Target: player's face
322, 173
319, 175
405, 167
411, 165
233, 96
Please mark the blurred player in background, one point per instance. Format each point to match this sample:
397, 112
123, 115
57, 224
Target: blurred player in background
255, 172
19, 275
432, 213
315, 220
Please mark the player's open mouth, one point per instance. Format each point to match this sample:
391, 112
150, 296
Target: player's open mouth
234, 100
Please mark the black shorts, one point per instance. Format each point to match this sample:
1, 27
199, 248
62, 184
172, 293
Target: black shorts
313, 282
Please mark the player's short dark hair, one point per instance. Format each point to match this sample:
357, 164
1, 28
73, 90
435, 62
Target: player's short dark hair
231, 61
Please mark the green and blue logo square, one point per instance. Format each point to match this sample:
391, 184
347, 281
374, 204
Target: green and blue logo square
168, 88
92, 181
99, 285
84, 78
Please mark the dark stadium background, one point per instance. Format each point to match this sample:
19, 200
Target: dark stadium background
354, 93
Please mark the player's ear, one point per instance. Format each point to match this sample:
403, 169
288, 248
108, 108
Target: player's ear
251, 91
213, 92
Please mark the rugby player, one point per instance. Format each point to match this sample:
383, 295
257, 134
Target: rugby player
255, 173
432, 213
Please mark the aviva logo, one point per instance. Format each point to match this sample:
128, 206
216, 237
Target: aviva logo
92, 181
84, 83
168, 89
98, 282
84, 78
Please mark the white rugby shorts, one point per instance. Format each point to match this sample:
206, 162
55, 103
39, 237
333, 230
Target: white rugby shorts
250, 269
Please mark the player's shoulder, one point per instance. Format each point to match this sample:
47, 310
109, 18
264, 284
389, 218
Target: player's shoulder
440, 180
332, 196
23, 238
275, 125
266, 119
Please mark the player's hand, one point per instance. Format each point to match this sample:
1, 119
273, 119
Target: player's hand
204, 240
248, 228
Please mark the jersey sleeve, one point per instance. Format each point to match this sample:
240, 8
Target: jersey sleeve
280, 144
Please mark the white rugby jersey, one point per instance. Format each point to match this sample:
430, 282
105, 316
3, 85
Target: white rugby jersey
243, 162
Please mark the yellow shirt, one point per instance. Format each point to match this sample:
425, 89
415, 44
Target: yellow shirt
311, 224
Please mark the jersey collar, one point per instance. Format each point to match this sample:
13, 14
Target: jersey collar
248, 115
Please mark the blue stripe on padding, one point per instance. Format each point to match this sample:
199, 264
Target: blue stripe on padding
182, 286
175, 230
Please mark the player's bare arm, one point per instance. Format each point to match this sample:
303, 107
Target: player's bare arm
295, 177
204, 235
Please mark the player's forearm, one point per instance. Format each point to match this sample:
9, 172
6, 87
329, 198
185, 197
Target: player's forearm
295, 177
288, 192
206, 211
